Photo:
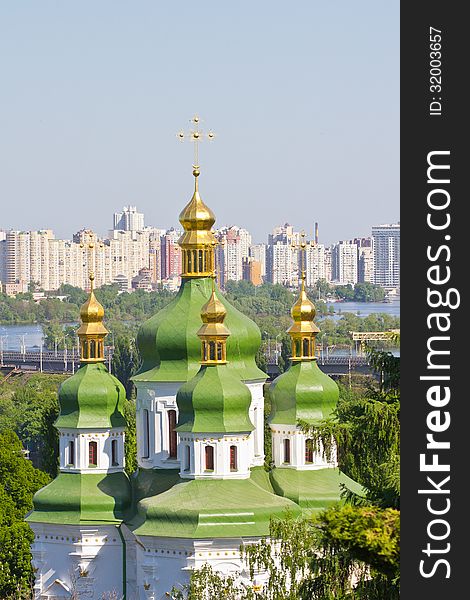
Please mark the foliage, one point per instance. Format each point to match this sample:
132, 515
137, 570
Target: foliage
343, 553
125, 361
19, 480
130, 449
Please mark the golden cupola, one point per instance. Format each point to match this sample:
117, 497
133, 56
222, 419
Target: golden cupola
213, 332
92, 332
197, 242
303, 331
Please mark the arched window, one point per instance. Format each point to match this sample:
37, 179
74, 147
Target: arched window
92, 454
219, 351
146, 431
85, 349
187, 458
172, 436
306, 348
233, 458
209, 452
71, 456
309, 451
287, 451
114, 453
92, 349
188, 261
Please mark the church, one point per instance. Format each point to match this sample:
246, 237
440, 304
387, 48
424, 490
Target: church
201, 490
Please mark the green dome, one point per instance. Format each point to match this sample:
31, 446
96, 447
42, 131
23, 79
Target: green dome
214, 401
169, 345
222, 508
92, 399
304, 393
77, 498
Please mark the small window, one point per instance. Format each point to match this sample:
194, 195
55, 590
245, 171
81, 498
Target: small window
172, 435
233, 458
114, 453
71, 456
93, 454
219, 351
211, 350
309, 451
146, 428
287, 451
187, 458
201, 267
92, 349
306, 348
209, 458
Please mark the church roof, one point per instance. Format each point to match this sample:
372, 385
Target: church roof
92, 398
170, 348
303, 392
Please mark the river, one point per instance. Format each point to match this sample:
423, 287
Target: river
13, 337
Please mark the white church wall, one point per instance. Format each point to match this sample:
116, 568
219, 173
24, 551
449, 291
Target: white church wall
81, 559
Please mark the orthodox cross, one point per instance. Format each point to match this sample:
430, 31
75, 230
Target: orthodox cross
302, 248
196, 136
89, 244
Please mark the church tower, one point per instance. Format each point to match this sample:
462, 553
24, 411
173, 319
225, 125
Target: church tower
169, 347
302, 470
78, 546
214, 422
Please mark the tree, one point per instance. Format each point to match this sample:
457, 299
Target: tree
19, 480
125, 362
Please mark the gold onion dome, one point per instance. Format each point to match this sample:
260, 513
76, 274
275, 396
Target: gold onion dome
303, 312
92, 331
197, 242
303, 330
196, 216
213, 332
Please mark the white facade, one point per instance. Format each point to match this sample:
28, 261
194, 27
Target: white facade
315, 264
74, 450
129, 219
156, 411
344, 263
292, 449
386, 249
86, 561
36, 257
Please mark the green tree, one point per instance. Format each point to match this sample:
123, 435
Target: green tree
19, 480
125, 362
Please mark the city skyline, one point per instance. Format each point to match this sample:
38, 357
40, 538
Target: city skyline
306, 115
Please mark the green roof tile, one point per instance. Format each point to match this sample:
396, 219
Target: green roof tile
92, 398
303, 392
74, 499
170, 348
314, 489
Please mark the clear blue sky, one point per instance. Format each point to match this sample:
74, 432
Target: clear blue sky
304, 97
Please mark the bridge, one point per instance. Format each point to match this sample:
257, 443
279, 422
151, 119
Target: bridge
69, 361
49, 361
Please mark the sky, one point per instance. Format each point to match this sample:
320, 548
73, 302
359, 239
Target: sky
303, 97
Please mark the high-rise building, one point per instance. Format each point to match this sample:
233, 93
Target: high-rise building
129, 219
233, 248
170, 254
386, 251
344, 263
258, 253
282, 256
252, 271
315, 263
